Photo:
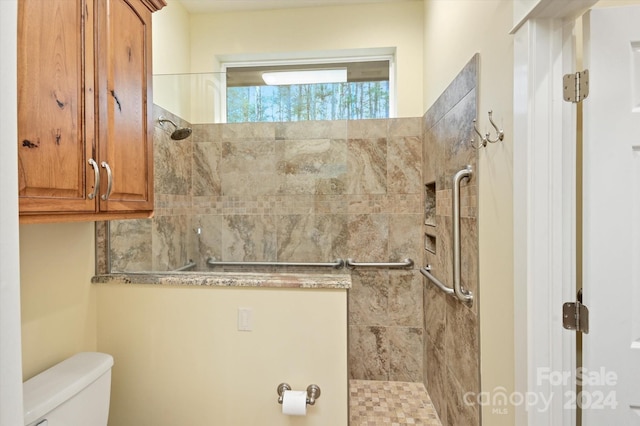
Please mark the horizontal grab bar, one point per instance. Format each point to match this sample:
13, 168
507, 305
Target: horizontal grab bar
407, 263
186, 267
426, 271
337, 264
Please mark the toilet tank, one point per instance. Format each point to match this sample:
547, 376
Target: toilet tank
73, 392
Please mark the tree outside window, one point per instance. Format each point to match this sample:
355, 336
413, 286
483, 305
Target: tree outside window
364, 95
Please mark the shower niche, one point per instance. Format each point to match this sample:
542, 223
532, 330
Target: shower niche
430, 217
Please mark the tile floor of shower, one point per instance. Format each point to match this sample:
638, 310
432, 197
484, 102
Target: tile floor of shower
373, 403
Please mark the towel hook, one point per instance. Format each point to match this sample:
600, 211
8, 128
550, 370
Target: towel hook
500, 132
487, 136
483, 139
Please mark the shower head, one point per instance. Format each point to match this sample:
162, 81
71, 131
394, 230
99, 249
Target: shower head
179, 133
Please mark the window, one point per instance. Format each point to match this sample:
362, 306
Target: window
365, 93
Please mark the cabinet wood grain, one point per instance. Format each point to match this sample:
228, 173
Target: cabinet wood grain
84, 109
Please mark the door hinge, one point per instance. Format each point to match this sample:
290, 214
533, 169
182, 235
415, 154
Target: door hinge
575, 315
576, 86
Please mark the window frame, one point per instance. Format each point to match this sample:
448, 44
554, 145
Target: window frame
308, 58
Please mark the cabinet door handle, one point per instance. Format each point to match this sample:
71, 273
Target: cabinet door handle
96, 172
104, 165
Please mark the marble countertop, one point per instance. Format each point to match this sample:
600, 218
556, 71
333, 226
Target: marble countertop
230, 279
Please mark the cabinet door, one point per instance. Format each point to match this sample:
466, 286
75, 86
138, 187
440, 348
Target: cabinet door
124, 111
54, 139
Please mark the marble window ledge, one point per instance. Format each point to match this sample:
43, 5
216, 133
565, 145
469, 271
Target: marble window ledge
230, 279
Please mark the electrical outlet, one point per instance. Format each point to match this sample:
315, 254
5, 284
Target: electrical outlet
245, 319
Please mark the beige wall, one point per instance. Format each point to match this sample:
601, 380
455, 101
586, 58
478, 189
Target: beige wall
180, 360
171, 39
398, 25
178, 348
454, 31
172, 55
57, 298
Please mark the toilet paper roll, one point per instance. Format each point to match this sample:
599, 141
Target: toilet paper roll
294, 403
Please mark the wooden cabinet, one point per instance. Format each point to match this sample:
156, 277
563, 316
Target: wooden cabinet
84, 109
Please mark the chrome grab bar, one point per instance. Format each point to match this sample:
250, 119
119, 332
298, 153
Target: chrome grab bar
337, 264
426, 271
462, 295
406, 263
187, 267
457, 290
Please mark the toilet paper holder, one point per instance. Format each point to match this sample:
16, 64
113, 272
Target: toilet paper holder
313, 392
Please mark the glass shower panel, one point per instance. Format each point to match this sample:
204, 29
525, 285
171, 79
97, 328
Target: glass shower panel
197, 98
236, 192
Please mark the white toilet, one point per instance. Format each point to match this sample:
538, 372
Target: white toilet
74, 392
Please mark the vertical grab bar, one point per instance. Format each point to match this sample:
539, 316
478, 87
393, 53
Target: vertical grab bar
462, 295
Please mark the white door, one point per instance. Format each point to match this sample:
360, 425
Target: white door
611, 207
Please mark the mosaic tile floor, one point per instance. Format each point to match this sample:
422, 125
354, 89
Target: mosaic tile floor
374, 403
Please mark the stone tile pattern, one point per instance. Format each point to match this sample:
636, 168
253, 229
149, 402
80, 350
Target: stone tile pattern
102, 247
229, 279
451, 343
373, 403
305, 191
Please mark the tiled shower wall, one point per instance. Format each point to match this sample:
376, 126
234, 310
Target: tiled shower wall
451, 350
306, 191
